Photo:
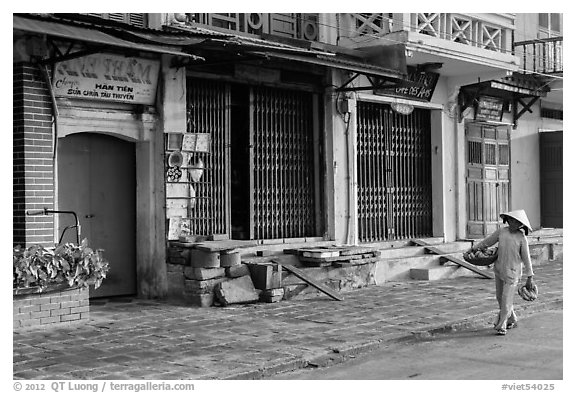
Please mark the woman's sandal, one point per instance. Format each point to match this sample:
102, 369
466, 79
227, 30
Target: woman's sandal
512, 325
501, 332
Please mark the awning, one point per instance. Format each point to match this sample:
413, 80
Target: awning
384, 66
338, 62
506, 90
515, 90
89, 36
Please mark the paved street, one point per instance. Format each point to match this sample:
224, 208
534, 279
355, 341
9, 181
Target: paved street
533, 351
143, 339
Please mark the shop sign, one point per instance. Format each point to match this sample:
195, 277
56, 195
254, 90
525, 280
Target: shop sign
107, 77
489, 108
418, 85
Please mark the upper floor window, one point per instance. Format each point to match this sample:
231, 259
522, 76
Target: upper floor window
549, 25
134, 19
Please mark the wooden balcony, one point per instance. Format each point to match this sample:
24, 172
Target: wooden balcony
541, 55
293, 26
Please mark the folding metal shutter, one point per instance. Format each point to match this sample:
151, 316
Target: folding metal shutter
394, 176
283, 182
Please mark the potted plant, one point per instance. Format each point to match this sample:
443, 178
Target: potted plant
38, 269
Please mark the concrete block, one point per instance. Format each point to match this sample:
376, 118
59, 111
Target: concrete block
201, 286
237, 271
272, 295
200, 299
203, 273
236, 291
199, 258
265, 275
176, 268
218, 237
178, 260
228, 260
272, 299
273, 292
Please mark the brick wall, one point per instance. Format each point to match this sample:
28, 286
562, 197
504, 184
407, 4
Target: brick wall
58, 308
33, 172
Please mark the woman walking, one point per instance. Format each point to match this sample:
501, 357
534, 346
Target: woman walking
513, 255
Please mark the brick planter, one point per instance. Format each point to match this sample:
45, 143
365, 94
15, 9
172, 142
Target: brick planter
58, 306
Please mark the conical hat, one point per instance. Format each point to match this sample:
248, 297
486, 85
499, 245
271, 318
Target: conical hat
520, 215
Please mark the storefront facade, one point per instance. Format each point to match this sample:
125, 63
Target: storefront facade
223, 135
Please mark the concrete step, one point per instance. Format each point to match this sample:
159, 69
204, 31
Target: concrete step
433, 273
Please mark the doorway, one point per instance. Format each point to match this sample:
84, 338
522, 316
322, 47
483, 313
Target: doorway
97, 180
394, 173
551, 175
487, 177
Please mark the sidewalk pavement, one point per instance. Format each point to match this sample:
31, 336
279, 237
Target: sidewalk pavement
144, 339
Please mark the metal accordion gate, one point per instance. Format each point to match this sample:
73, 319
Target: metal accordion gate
284, 183
208, 112
394, 173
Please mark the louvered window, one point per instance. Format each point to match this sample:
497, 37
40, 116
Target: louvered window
133, 19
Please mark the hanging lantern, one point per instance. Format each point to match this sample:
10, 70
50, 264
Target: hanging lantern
403, 109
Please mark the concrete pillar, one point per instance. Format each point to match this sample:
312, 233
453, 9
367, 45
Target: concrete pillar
151, 214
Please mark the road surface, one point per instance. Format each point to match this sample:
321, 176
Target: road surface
533, 351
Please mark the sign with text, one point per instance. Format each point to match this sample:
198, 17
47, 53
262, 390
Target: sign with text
107, 77
417, 86
489, 108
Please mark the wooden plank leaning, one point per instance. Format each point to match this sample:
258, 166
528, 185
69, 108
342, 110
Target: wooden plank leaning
452, 258
301, 275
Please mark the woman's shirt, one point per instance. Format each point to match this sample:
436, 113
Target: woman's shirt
513, 253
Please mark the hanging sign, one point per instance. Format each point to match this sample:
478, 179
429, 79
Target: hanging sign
489, 108
417, 86
106, 77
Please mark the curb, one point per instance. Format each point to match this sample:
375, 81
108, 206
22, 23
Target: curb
341, 355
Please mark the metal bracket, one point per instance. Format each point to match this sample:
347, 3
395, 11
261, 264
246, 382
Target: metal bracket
467, 99
525, 108
68, 54
375, 83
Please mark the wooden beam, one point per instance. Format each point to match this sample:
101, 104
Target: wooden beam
452, 258
301, 275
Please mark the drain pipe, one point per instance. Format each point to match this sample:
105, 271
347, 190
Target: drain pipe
46, 75
349, 177
457, 215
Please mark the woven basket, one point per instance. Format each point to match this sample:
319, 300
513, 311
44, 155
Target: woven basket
482, 261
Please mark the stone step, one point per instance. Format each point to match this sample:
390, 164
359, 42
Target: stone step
439, 273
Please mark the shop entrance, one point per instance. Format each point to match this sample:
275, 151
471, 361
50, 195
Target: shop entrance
261, 176
487, 177
394, 175
96, 179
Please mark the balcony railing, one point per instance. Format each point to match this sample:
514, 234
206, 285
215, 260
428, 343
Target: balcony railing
463, 29
297, 26
541, 55
491, 33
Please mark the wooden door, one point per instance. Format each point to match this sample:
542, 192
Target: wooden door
96, 179
487, 177
551, 175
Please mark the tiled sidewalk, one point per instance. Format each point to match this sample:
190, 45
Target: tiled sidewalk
143, 339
